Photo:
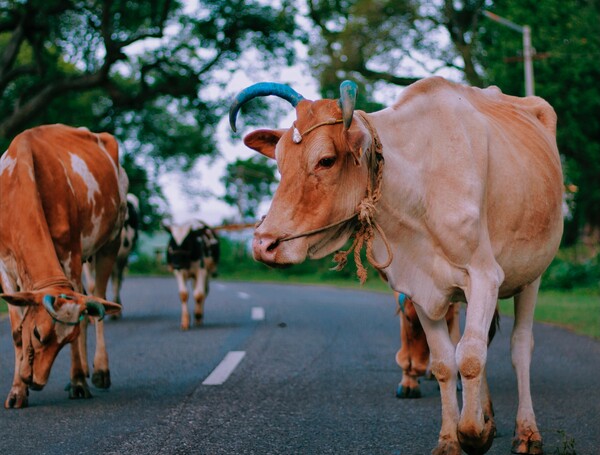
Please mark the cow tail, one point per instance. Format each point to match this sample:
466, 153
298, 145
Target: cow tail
494, 326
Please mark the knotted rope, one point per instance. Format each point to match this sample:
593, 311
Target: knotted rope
365, 213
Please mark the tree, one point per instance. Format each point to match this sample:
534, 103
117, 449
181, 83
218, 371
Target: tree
565, 36
248, 183
150, 72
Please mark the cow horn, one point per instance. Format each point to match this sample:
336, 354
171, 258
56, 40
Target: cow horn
262, 89
48, 302
97, 307
347, 101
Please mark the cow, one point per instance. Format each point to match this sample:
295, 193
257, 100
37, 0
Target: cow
192, 254
129, 235
413, 355
63, 201
456, 192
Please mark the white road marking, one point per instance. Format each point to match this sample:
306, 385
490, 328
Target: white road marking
224, 369
258, 313
243, 295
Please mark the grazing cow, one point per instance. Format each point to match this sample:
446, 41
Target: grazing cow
129, 235
456, 192
63, 200
192, 254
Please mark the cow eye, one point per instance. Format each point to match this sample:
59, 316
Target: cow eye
327, 162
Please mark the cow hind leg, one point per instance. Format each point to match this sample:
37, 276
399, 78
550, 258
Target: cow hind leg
412, 357
527, 438
18, 395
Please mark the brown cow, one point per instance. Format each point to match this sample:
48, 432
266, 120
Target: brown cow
63, 200
467, 206
413, 355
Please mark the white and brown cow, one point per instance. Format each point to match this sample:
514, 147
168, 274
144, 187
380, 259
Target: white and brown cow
62, 201
129, 236
456, 192
192, 254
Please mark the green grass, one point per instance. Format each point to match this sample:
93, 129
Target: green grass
576, 309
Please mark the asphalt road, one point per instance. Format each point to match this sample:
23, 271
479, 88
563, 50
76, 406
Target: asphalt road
318, 377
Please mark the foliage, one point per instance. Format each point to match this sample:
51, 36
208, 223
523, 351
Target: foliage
150, 72
568, 274
565, 36
248, 183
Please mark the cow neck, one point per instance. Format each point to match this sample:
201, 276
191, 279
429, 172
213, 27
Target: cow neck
53, 281
364, 214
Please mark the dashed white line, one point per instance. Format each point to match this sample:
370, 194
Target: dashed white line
257, 313
243, 295
224, 369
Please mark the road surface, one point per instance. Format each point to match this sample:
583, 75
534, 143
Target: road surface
311, 371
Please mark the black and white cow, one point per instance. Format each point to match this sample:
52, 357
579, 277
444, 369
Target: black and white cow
129, 235
192, 254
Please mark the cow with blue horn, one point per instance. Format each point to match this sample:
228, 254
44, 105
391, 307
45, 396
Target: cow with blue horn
63, 201
456, 193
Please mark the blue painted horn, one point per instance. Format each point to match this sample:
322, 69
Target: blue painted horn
48, 302
262, 89
347, 101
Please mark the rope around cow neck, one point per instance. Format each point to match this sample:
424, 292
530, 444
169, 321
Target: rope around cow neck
364, 231
365, 211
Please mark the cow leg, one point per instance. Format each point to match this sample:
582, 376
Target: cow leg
78, 387
17, 396
527, 439
200, 292
443, 365
413, 355
476, 428
82, 341
453, 320
116, 278
105, 259
183, 296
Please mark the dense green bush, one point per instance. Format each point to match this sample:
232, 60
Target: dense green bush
566, 274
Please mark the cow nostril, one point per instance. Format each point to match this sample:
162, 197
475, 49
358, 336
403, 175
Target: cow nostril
273, 245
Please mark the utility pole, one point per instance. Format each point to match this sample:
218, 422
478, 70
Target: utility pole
527, 50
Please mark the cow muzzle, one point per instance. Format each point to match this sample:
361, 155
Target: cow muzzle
274, 252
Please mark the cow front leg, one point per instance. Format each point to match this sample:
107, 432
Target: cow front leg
443, 366
18, 395
527, 438
101, 376
183, 297
200, 292
476, 427
78, 387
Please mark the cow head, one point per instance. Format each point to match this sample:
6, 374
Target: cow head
47, 323
185, 243
323, 174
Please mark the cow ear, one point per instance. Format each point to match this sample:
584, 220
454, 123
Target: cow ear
20, 298
357, 140
264, 141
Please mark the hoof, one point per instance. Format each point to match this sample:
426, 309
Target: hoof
198, 319
101, 379
529, 443
184, 328
481, 444
78, 391
447, 448
16, 400
407, 392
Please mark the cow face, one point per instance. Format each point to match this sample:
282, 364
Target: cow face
186, 244
42, 324
323, 179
